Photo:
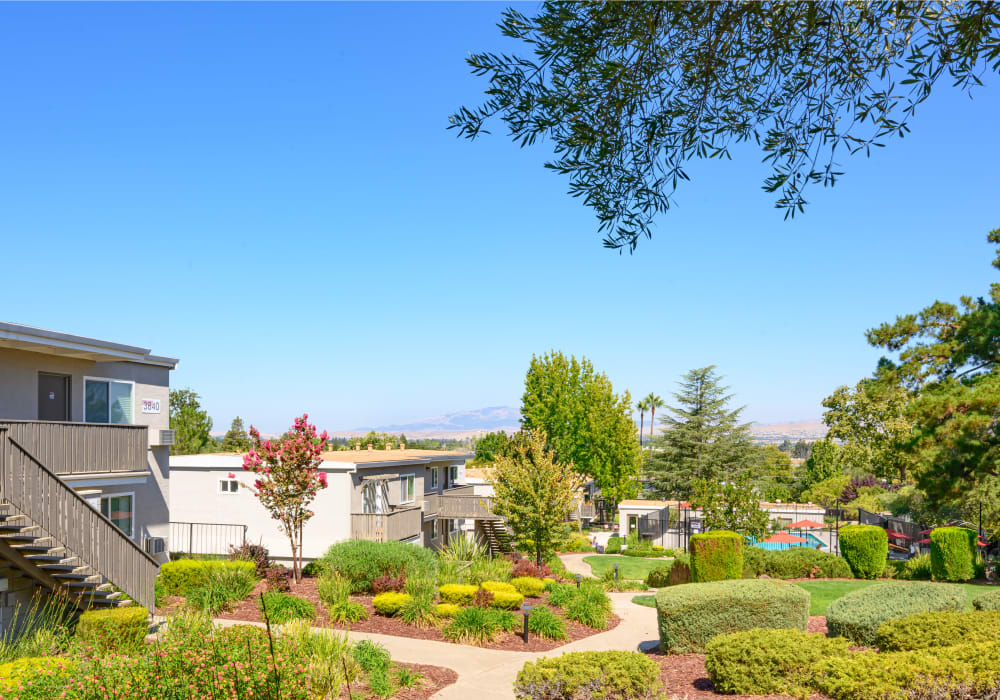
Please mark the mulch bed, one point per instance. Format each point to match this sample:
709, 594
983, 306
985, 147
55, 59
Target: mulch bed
248, 610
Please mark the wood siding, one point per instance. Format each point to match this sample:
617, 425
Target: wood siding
82, 448
401, 524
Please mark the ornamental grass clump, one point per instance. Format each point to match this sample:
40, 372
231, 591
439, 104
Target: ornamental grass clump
716, 556
363, 561
545, 623
612, 675
222, 588
865, 547
282, 607
690, 616
479, 625
859, 614
590, 606
953, 553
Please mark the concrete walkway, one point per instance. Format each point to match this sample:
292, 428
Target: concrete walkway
488, 674
575, 564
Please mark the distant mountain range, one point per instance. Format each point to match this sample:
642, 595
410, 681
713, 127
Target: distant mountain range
484, 420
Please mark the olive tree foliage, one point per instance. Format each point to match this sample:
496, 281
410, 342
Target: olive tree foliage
628, 93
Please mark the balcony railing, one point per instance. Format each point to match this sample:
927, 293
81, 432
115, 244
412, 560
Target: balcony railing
401, 524
432, 502
82, 448
464, 504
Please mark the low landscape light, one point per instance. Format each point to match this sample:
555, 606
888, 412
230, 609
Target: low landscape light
578, 577
526, 609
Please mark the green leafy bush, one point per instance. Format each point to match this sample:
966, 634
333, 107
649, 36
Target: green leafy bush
670, 573
282, 607
953, 553
859, 614
528, 586
612, 675
987, 601
36, 677
117, 630
576, 543
457, 593
363, 561
497, 587
446, 609
479, 625
545, 623
937, 629
508, 600
768, 661
390, 603
716, 556
917, 568
865, 547
798, 562
614, 545
690, 616
178, 577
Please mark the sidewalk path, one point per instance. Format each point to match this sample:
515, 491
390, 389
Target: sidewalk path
488, 674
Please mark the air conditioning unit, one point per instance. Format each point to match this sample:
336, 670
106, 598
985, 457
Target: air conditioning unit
155, 545
161, 438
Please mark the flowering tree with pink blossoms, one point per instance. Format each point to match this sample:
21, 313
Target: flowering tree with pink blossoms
288, 479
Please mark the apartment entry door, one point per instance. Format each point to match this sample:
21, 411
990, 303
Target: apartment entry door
53, 396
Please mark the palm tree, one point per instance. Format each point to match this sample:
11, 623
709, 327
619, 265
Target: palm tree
652, 402
641, 408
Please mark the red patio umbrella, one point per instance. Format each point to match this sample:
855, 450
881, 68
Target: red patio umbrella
804, 525
784, 538
926, 532
927, 541
897, 535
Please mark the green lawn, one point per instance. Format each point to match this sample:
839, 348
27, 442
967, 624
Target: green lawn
825, 592
628, 567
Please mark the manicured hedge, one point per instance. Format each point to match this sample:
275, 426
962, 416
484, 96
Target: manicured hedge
614, 545
457, 593
716, 556
670, 573
390, 603
764, 662
528, 586
497, 587
865, 547
116, 630
690, 616
987, 601
179, 577
614, 675
508, 600
859, 614
938, 629
798, 562
953, 553
363, 561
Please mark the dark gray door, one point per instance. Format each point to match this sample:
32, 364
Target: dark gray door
53, 397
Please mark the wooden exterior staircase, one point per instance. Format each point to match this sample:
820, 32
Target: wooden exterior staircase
497, 536
51, 537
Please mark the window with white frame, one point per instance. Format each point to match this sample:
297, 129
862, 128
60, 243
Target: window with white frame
434, 477
229, 486
107, 401
406, 483
434, 529
118, 509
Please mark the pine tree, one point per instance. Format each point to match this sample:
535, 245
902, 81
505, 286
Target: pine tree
236, 439
704, 438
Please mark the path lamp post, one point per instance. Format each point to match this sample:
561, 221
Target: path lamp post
526, 609
616, 572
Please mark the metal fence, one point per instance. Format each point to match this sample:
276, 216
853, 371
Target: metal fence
205, 538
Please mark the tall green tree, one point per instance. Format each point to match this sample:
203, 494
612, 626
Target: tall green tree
534, 491
733, 505
191, 424
774, 474
629, 93
585, 421
703, 437
653, 402
491, 445
641, 406
824, 463
236, 438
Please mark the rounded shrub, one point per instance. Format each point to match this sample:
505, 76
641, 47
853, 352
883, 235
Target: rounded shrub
987, 601
390, 603
118, 630
938, 629
614, 545
528, 586
593, 674
670, 573
859, 614
765, 662
457, 593
953, 553
865, 547
41, 672
690, 616
716, 556
446, 609
363, 561
497, 587
508, 600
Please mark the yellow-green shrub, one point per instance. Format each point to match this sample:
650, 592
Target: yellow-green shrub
591, 674
865, 548
34, 669
178, 577
987, 601
938, 629
446, 609
716, 556
508, 600
497, 587
389, 603
528, 586
859, 614
953, 553
117, 630
457, 593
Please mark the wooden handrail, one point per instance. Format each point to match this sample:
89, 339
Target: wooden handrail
59, 510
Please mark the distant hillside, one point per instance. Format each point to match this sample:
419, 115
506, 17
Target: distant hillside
450, 425
808, 430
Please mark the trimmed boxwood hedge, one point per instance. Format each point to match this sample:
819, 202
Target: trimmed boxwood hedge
865, 547
859, 614
612, 675
953, 553
764, 662
690, 616
938, 629
987, 601
716, 556
118, 630
798, 562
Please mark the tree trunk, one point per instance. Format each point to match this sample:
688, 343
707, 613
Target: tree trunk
652, 422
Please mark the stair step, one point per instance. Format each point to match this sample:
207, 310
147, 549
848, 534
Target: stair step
56, 566
67, 576
47, 558
36, 547
81, 585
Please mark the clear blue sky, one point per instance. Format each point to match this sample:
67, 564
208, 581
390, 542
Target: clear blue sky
269, 193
